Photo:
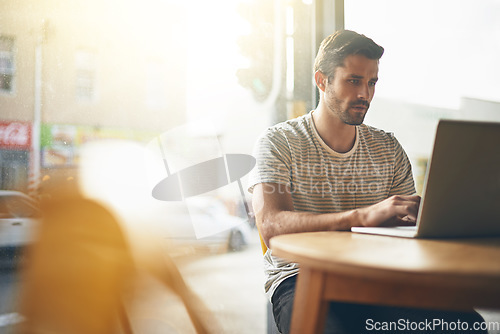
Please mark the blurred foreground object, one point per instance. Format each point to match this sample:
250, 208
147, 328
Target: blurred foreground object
77, 269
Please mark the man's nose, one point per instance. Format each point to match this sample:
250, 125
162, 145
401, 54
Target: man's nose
364, 92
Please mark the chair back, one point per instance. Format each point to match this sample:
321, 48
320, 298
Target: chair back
262, 244
75, 270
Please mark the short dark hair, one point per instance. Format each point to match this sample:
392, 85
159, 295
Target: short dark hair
336, 47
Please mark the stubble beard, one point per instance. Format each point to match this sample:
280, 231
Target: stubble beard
349, 118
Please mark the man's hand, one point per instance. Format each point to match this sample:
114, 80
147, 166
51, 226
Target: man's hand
395, 210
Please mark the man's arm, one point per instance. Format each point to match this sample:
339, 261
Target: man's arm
275, 215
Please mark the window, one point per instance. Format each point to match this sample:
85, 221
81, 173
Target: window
7, 65
440, 61
85, 63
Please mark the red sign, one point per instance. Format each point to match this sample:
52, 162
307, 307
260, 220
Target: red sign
15, 135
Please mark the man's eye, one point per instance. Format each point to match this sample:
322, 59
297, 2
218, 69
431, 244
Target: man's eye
372, 83
354, 81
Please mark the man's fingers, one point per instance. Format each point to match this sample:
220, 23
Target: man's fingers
407, 207
407, 221
411, 198
395, 210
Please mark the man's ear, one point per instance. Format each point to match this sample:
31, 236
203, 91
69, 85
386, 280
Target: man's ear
320, 79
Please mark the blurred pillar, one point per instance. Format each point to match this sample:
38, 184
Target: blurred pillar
329, 17
34, 173
308, 22
304, 54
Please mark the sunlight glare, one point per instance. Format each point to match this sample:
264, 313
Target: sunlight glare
213, 29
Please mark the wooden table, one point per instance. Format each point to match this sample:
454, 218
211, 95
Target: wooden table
453, 274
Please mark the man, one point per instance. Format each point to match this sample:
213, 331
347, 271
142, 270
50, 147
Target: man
328, 171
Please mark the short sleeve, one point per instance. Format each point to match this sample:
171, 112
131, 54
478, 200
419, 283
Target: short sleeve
403, 183
272, 153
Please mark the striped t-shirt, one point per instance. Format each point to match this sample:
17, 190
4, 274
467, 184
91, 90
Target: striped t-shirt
324, 181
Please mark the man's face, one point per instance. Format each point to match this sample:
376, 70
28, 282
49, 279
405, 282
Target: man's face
349, 93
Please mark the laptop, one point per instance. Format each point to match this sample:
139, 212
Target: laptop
461, 195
